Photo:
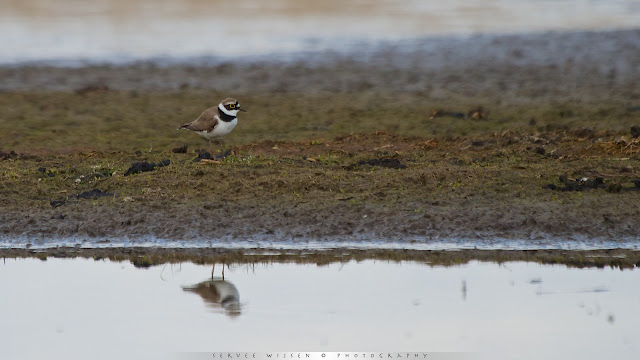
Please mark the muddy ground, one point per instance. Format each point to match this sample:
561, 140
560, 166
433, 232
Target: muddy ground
502, 142
570, 184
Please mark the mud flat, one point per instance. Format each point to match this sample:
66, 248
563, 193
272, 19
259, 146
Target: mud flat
524, 137
517, 69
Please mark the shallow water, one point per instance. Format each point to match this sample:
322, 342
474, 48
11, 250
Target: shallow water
76, 308
117, 29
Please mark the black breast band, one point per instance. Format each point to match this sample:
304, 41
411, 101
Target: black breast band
224, 117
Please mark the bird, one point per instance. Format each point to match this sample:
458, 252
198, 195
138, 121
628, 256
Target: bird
216, 122
218, 293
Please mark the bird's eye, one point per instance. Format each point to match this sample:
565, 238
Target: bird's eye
232, 106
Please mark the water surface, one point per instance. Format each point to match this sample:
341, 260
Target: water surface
121, 29
76, 308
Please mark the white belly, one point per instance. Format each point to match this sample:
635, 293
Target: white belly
221, 130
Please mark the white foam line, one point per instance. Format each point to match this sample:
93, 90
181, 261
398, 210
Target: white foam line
266, 244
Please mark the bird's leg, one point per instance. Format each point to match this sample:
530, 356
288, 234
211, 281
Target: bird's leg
213, 268
210, 145
222, 272
221, 140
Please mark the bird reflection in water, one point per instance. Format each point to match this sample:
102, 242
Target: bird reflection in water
218, 294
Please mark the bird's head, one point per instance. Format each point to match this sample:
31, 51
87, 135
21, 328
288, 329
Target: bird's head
230, 106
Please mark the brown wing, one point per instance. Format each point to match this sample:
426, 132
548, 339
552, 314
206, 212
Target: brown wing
207, 121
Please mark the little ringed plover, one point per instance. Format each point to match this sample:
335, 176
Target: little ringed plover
216, 122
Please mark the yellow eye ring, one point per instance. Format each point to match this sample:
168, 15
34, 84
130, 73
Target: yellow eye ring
232, 106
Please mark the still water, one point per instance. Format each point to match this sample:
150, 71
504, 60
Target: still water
78, 309
107, 30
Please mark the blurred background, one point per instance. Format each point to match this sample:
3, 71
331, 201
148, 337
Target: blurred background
121, 30
320, 68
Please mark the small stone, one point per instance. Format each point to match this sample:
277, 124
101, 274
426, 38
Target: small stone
180, 150
139, 167
203, 156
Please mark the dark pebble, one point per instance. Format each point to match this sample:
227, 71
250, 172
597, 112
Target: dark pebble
635, 131
224, 154
203, 155
139, 167
8, 155
180, 150
540, 150
144, 166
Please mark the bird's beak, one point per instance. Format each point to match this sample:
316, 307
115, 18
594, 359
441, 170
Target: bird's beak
241, 109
